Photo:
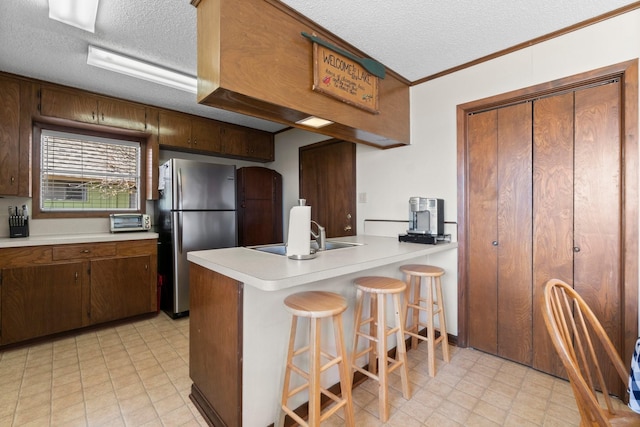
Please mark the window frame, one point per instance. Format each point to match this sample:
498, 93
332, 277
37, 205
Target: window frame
37, 158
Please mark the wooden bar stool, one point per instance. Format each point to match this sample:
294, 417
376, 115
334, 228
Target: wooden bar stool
317, 305
414, 301
377, 335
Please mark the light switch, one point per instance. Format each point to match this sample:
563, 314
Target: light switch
362, 197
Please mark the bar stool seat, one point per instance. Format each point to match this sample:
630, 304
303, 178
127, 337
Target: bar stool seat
316, 306
378, 288
415, 302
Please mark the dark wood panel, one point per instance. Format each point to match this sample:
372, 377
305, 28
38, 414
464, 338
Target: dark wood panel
328, 183
38, 301
259, 193
514, 232
215, 344
205, 135
120, 288
552, 213
9, 136
482, 231
597, 223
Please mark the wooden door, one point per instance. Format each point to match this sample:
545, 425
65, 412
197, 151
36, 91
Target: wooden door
500, 232
597, 214
205, 135
259, 194
39, 301
328, 183
9, 136
552, 214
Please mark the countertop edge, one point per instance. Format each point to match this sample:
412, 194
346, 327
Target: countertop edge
345, 268
55, 239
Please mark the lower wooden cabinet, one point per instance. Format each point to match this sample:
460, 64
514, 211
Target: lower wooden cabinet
112, 279
39, 301
49, 289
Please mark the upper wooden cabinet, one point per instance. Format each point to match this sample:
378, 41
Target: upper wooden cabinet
88, 108
246, 66
180, 131
247, 143
9, 136
183, 131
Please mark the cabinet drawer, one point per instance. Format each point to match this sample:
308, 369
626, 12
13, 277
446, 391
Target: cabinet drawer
83, 251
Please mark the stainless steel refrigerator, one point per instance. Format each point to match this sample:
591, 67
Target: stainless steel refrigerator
196, 210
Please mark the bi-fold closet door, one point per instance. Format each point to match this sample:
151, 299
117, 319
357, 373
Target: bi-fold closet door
545, 201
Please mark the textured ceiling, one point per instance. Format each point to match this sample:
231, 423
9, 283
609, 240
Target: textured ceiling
415, 38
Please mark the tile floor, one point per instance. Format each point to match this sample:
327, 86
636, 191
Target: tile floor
137, 375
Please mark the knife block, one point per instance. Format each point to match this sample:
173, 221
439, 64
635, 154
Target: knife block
18, 226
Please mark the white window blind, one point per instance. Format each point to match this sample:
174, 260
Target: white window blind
88, 173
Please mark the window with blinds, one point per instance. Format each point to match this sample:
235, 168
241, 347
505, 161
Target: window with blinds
88, 173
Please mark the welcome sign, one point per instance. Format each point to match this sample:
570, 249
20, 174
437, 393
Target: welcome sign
343, 78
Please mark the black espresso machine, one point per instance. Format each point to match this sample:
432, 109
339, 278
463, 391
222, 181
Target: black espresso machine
426, 221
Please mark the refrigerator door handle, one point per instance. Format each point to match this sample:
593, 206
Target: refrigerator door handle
179, 188
179, 232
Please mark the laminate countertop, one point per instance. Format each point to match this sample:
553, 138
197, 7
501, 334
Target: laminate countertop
63, 239
273, 272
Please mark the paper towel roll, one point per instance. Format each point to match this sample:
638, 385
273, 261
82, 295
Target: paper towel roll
299, 237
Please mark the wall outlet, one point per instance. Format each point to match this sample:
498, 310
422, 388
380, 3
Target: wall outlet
362, 197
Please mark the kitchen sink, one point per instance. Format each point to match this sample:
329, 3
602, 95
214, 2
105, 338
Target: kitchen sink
281, 249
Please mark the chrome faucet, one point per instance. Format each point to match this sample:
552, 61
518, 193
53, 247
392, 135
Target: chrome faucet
321, 237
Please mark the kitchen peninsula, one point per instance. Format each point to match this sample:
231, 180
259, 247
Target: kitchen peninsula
239, 329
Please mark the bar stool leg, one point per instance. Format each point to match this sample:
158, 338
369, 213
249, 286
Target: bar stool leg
431, 329
287, 371
415, 282
345, 380
401, 349
314, 369
374, 365
443, 329
383, 394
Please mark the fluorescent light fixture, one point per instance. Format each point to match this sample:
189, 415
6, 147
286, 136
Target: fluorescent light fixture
314, 122
143, 70
78, 13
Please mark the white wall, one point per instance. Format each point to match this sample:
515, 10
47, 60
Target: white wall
428, 166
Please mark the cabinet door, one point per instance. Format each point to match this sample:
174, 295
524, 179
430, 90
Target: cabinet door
9, 136
234, 141
205, 135
260, 146
38, 301
174, 130
121, 114
120, 288
68, 104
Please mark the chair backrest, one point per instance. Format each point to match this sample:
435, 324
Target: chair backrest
573, 329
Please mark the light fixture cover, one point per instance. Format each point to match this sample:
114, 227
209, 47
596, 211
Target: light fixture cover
78, 13
314, 122
143, 70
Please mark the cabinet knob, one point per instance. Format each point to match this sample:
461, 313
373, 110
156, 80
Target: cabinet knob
13, 179
576, 249
347, 228
86, 251
348, 216
494, 243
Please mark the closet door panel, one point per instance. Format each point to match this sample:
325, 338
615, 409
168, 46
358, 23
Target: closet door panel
552, 213
483, 281
514, 232
597, 205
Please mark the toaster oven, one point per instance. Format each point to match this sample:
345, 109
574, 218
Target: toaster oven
129, 222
